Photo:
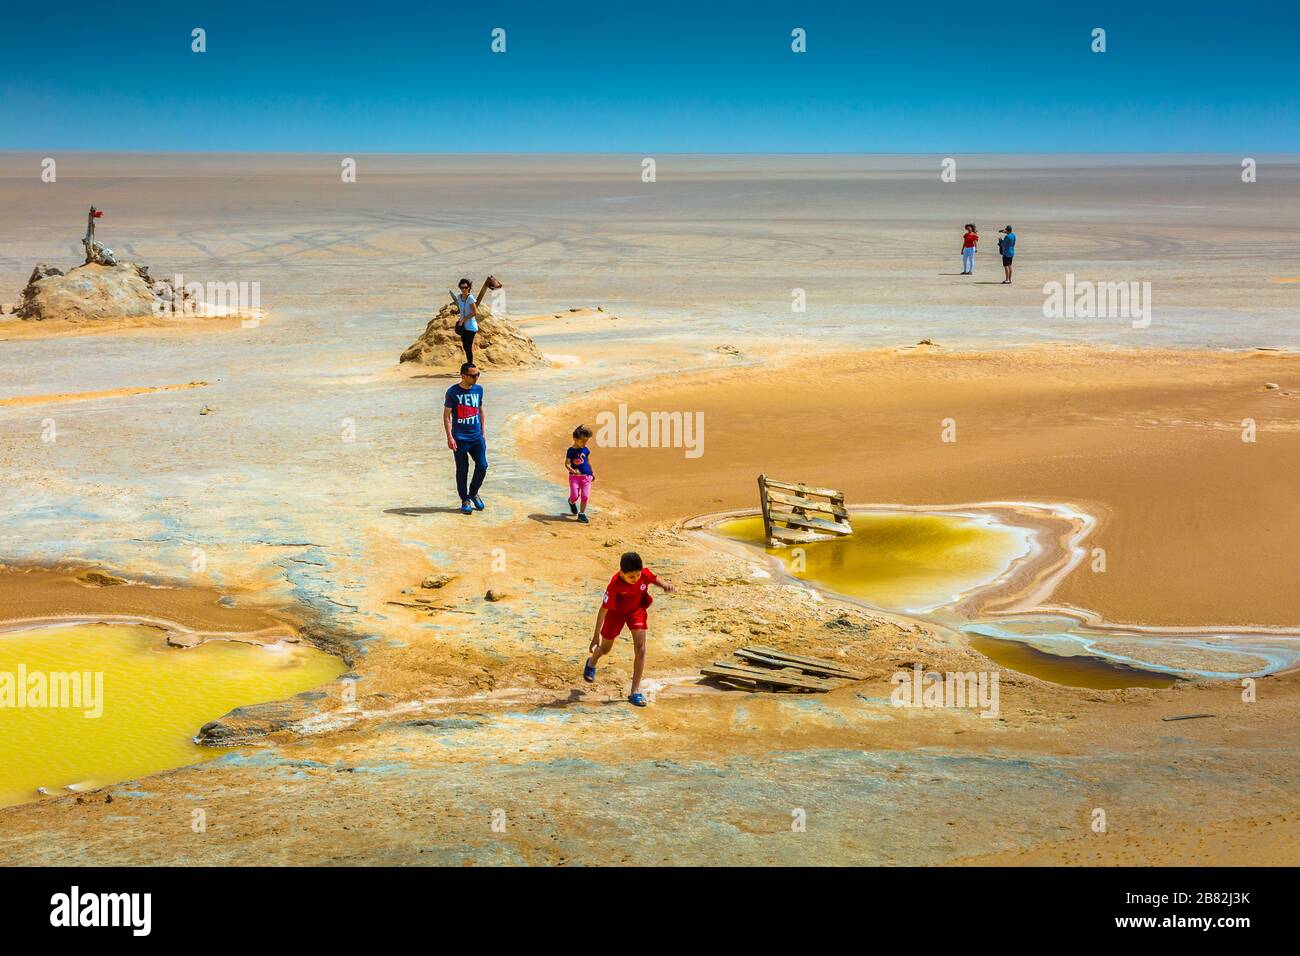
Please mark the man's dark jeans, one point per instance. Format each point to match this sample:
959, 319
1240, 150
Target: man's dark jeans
476, 449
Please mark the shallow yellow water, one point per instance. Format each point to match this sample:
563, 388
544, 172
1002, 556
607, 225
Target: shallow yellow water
154, 699
901, 562
1075, 671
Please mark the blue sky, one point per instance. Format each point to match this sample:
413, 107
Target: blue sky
652, 75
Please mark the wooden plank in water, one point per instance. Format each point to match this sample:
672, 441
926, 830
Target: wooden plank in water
767, 516
763, 675
805, 489
808, 666
794, 502
813, 524
793, 536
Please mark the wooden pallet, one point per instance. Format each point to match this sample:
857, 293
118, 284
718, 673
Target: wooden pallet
795, 513
789, 678
809, 665
768, 667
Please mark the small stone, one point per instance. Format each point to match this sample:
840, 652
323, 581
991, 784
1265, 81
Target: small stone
435, 581
100, 579
205, 410
1272, 385
494, 595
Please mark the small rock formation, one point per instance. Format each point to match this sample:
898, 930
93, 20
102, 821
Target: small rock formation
100, 288
435, 581
499, 343
494, 595
257, 720
100, 579
93, 292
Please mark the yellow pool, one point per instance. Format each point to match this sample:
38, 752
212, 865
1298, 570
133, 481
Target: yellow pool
898, 560
95, 704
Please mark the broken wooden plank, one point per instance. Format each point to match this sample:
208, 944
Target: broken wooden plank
805, 489
767, 517
830, 507
810, 666
761, 675
1187, 717
792, 536
813, 524
792, 658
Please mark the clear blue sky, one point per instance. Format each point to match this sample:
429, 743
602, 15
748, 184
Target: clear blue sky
652, 75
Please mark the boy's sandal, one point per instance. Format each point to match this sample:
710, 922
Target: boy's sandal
589, 673
637, 700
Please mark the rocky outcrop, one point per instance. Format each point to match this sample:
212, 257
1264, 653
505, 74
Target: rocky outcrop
257, 720
93, 292
499, 343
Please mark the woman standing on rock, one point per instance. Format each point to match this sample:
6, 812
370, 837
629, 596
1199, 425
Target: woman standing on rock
467, 323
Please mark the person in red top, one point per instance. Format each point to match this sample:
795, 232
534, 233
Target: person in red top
625, 603
969, 246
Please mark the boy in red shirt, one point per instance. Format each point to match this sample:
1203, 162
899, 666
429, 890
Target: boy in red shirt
625, 602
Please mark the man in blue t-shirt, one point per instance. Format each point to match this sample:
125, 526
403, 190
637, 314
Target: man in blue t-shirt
1007, 246
462, 417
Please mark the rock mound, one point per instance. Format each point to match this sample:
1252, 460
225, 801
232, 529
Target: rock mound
499, 343
92, 292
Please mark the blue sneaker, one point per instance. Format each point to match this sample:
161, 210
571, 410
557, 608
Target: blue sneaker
583, 518
478, 502
573, 507
589, 673
466, 508
637, 700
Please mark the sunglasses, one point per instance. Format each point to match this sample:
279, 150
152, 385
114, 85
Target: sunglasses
473, 374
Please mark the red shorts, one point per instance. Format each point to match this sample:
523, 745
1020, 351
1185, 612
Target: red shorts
636, 621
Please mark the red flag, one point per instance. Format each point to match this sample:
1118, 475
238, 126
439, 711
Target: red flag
99, 213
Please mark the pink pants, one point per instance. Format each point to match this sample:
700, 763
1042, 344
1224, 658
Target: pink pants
579, 487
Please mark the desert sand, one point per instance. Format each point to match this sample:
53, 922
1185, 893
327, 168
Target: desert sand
311, 474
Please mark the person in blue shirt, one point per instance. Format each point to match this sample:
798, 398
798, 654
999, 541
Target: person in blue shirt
462, 417
1007, 246
467, 321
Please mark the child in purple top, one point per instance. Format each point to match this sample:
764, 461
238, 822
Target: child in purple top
577, 461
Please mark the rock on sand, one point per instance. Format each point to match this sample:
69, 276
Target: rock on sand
499, 343
88, 293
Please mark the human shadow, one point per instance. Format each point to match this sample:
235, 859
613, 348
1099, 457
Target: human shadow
414, 512
552, 519
576, 696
